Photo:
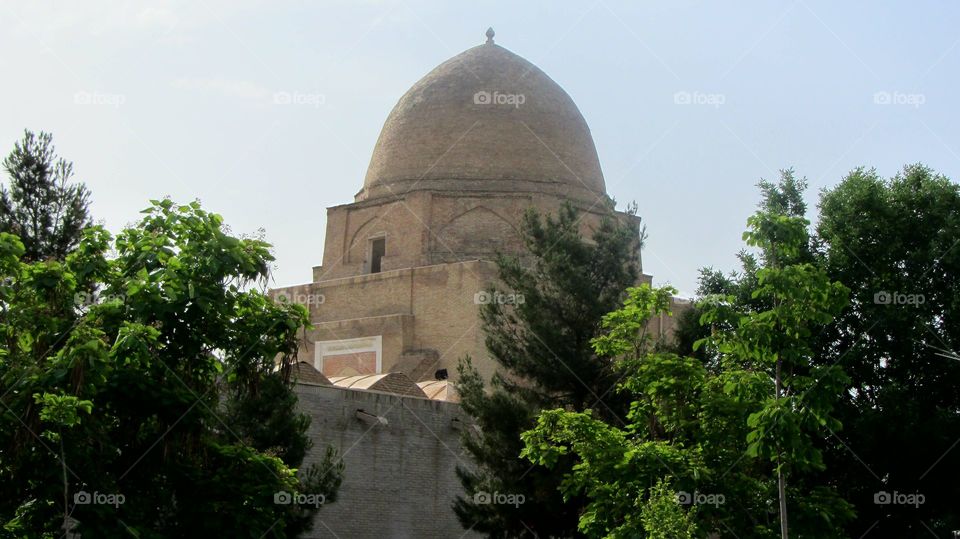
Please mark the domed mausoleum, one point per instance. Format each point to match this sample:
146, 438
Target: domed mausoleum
461, 156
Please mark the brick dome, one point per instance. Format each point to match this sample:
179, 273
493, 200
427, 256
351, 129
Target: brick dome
485, 120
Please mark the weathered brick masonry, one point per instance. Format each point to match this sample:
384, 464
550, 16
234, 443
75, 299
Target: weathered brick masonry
464, 153
399, 477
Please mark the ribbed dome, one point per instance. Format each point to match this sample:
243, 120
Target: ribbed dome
485, 120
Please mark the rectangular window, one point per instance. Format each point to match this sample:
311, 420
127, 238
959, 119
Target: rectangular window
377, 248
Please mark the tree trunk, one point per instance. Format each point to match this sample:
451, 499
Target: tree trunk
781, 480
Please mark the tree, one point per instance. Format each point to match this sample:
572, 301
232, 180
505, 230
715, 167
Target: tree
783, 197
685, 464
629, 476
42, 206
561, 288
779, 342
142, 410
706, 429
894, 243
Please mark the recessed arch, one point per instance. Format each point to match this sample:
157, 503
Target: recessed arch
477, 232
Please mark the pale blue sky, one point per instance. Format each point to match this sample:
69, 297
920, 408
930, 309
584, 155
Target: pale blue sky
176, 98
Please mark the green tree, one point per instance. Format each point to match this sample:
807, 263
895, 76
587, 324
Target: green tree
561, 289
894, 242
42, 205
143, 410
708, 431
880, 237
629, 476
779, 343
783, 197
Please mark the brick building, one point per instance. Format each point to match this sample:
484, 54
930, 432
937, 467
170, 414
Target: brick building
465, 151
463, 154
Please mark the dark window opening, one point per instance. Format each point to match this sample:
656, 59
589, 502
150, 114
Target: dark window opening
377, 248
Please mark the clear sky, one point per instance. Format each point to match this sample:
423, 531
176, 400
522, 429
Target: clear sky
690, 104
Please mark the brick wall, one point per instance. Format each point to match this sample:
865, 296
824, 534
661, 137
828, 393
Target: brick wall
399, 479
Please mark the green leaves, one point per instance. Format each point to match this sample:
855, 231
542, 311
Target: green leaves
11, 249
542, 344
768, 351
613, 470
779, 236
62, 410
881, 236
756, 406
624, 328
630, 473
42, 206
664, 518
162, 383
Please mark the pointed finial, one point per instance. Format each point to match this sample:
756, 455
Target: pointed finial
490, 34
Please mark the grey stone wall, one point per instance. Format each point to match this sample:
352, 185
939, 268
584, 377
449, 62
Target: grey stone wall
399, 479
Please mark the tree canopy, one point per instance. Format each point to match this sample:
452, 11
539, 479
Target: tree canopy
893, 242
43, 205
147, 393
541, 342
709, 446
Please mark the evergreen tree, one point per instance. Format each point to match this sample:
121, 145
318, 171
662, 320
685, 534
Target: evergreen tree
557, 295
42, 205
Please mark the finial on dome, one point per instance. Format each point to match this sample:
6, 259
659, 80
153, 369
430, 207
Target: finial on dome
490, 34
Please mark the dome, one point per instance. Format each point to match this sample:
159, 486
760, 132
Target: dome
485, 120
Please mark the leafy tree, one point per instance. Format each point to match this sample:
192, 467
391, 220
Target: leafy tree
42, 205
894, 242
783, 197
561, 289
706, 431
778, 343
629, 475
143, 410
880, 237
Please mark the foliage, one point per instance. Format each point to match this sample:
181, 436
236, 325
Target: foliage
783, 197
880, 237
542, 345
42, 206
778, 342
705, 430
140, 408
683, 436
894, 242
664, 518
